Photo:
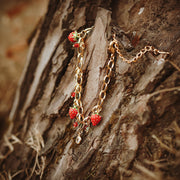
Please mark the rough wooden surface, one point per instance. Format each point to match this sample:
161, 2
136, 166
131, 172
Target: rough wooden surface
134, 111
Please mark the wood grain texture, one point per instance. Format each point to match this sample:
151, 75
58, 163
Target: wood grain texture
131, 112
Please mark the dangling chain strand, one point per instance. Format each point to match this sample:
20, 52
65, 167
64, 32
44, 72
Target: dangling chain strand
79, 80
102, 95
113, 48
138, 55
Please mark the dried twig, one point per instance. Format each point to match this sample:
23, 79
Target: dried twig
147, 172
164, 90
174, 65
8, 142
36, 142
171, 150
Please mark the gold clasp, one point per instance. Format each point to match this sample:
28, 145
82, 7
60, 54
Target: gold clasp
113, 44
111, 47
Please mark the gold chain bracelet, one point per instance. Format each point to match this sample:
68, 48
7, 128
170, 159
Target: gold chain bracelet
76, 112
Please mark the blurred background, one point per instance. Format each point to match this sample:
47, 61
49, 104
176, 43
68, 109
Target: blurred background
18, 19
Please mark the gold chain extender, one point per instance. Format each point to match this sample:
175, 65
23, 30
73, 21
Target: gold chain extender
77, 112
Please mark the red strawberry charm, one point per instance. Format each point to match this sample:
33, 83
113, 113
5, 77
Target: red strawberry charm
73, 113
73, 36
75, 124
76, 45
72, 94
95, 119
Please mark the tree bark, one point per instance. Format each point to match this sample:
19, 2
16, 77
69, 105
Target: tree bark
142, 109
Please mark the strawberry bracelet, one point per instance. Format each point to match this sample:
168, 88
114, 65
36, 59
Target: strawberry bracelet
76, 112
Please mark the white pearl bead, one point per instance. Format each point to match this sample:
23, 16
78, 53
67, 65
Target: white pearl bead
78, 139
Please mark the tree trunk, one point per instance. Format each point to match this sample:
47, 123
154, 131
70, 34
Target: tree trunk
138, 137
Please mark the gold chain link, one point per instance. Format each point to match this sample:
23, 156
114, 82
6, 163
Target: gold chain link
139, 54
79, 81
79, 76
102, 95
